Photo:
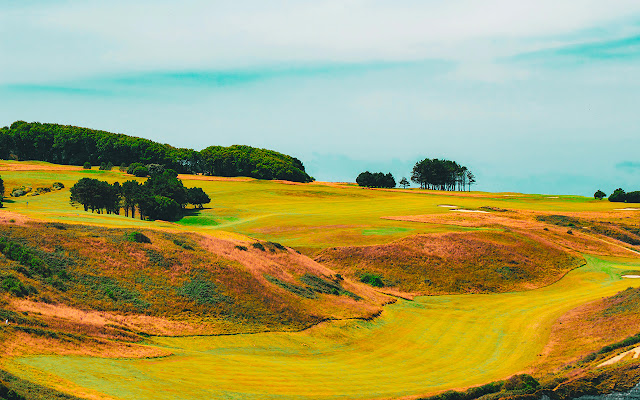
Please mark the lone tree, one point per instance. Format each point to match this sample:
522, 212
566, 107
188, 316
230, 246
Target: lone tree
197, 197
599, 195
87, 165
404, 182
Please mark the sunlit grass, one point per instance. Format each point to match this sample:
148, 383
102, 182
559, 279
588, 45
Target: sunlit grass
431, 344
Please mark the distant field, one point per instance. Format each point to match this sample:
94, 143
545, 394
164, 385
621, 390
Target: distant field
427, 345
309, 217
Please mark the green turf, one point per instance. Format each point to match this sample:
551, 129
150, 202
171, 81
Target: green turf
304, 216
431, 344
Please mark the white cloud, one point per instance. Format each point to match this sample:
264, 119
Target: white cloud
63, 40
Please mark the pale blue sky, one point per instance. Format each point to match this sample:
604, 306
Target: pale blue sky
534, 96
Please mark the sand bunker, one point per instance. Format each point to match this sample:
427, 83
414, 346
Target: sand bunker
635, 351
447, 206
470, 211
552, 197
631, 276
627, 209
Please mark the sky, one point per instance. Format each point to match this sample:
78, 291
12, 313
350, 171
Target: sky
534, 96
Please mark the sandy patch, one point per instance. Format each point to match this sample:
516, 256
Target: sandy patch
627, 209
552, 197
631, 276
26, 166
471, 211
635, 351
447, 206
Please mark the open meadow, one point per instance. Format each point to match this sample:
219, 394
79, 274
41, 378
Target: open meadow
474, 287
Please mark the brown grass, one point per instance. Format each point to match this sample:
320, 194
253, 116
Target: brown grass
473, 262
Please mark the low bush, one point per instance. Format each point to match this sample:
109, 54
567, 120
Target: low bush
137, 237
299, 290
241, 248
258, 245
15, 287
183, 244
373, 280
202, 291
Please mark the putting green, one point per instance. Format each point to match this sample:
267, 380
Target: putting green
428, 345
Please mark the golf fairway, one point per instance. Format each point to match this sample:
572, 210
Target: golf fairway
415, 347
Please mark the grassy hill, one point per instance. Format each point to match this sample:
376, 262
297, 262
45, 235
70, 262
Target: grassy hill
279, 265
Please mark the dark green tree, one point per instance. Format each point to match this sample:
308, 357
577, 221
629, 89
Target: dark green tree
599, 195
1, 191
141, 172
618, 196
633, 197
404, 182
96, 195
197, 197
87, 165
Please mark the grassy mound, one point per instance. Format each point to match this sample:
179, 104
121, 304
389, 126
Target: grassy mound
152, 273
474, 262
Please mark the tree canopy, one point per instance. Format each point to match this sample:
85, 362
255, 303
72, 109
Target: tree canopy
71, 145
599, 195
162, 196
376, 180
442, 175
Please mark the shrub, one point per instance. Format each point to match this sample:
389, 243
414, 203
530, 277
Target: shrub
258, 245
87, 165
132, 167
57, 185
202, 291
241, 248
141, 172
15, 287
137, 237
183, 244
373, 280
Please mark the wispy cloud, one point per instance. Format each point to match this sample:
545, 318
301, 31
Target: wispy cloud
629, 165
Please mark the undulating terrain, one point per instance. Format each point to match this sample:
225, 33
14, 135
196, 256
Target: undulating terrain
279, 290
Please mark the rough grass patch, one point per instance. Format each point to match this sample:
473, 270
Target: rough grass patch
299, 290
203, 291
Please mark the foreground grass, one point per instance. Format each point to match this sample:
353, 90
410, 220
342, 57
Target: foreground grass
428, 345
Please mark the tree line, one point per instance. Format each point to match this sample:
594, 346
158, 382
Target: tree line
161, 196
71, 145
619, 196
428, 173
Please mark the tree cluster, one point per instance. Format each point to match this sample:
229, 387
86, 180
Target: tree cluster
64, 144
240, 160
376, 180
161, 196
442, 175
620, 196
